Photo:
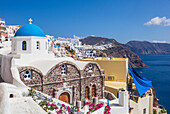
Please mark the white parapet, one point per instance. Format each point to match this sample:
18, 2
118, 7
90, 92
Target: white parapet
123, 99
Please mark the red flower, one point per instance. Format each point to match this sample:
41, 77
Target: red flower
96, 108
91, 109
92, 104
88, 112
63, 105
69, 109
58, 112
87, 103
77, 108
48, 104
99, 105
53, 105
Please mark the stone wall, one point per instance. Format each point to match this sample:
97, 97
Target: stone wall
96, 70
74, 80
37, 78
97, 81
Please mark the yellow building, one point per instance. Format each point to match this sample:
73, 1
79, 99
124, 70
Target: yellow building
116, 72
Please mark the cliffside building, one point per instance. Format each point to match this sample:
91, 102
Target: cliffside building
29, 64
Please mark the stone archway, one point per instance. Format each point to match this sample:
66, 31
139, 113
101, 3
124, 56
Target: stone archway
65, 97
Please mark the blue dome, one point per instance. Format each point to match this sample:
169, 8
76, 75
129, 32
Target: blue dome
30, 30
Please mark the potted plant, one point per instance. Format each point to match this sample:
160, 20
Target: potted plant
163, 111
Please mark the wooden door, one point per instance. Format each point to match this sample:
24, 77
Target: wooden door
65, 97
87, 93
93, 91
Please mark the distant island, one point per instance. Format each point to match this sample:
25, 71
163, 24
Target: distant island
148, 48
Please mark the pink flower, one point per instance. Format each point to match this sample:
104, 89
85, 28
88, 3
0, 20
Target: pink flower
107, 108
77, 108
91, 109
88, 112
87, 103
96, 108
48, 104
69, 109
58, 112
53, 105
63, 105
92, 104
99, 105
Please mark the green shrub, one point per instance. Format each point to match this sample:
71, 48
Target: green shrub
154, 111
163, 110
133, 98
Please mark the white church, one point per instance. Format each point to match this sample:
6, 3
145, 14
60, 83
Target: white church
29, 63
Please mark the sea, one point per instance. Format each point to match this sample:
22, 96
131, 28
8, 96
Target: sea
158, 71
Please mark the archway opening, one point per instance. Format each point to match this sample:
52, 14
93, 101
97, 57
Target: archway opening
65, 97
93, 91
87, 91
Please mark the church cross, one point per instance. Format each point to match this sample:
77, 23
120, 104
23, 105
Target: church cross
30, 20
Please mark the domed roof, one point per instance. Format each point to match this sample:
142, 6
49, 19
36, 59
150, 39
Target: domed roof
30, 30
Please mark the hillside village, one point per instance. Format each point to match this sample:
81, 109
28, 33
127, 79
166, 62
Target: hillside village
43, 74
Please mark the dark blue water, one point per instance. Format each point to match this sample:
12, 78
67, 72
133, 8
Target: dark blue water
159, 73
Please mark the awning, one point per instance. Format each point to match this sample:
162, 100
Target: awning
142, 84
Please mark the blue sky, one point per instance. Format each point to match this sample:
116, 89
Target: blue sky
122, 20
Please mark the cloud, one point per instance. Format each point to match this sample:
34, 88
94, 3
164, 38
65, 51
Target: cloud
159, 21
156, 41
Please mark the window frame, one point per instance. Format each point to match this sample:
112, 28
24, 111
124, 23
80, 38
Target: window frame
63, 69
90, 68
38, 45
27, 74
24, 45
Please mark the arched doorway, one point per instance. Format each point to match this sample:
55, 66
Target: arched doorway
93, 91
87, 91
65, 97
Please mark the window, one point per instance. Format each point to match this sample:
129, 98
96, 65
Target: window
90, 68
11, 96
87, 93
24, 45
63, 69
93, 91
27, 75
144, 111
110, 77
38, 45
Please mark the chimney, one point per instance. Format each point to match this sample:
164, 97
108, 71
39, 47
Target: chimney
123, 99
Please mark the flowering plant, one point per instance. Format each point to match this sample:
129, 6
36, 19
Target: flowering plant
107, 109
93, 107
70, 110
87, 103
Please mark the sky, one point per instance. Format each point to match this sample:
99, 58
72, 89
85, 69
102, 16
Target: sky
123, 20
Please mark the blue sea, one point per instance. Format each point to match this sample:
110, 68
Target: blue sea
158, 71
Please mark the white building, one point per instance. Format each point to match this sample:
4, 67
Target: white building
3, 31
7, 31
29, 64
12, 29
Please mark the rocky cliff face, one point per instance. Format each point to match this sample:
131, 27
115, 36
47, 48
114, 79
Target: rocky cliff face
146, 48
93, 40
117, 50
